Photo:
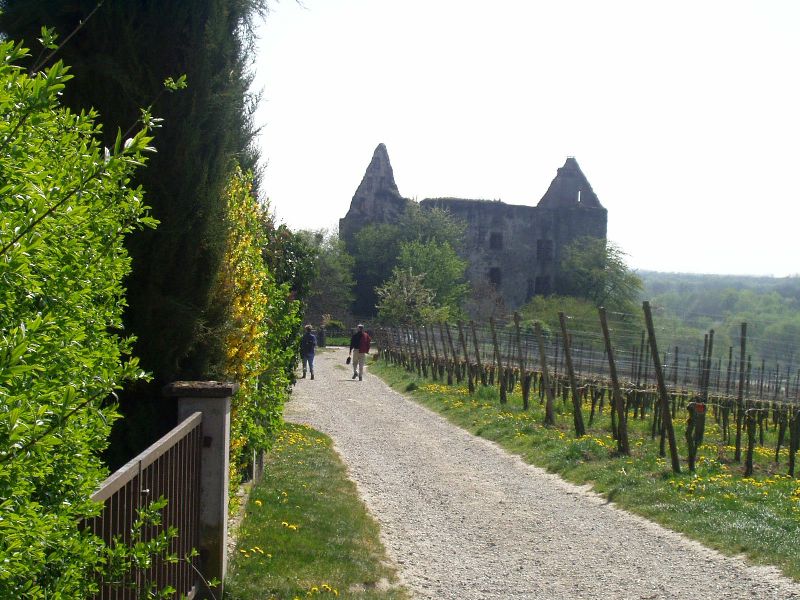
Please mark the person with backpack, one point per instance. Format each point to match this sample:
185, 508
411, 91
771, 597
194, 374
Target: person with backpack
359, 348
307, 344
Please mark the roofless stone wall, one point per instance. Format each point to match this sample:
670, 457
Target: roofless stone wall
515, 248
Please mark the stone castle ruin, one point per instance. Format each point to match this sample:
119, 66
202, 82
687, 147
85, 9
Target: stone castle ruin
513, 248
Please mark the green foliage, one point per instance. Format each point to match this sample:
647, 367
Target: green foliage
66, 204
376, 249
582, 316
142, 551
259, 331
208, 124
334, 323
689, 305
595, 269
331, 290
122, 56
405, 299
427, 286
374, 253
431, 224
289, 257
545, 309
442, 268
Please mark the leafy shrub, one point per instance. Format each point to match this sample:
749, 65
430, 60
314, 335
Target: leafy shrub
65, 207
260, 328
335, 324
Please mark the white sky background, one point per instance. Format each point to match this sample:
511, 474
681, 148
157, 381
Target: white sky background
683, 115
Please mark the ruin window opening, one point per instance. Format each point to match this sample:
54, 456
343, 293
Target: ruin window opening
495, 276
496, 241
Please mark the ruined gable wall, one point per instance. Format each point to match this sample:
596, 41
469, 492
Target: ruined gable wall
377, 199
518, 248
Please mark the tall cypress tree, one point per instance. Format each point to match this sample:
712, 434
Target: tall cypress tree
120, 58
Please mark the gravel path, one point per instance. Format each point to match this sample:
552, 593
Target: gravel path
463, 519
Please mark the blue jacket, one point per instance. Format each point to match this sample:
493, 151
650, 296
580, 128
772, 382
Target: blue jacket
307, 343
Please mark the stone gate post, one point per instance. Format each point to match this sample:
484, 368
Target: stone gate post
213, 399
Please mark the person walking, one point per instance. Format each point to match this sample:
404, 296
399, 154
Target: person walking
307, 345
359, 348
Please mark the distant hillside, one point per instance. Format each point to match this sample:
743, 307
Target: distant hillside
656, 283
688, 305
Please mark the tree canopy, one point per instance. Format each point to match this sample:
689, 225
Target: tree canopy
442, 270
403, 298
690, 305
595, 269
376, 249
331, 289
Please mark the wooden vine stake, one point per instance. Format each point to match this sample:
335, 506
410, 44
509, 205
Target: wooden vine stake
700, 416
524, 377
662, 390
499, 363
422, 366
429, 359
549, 414
619, 404
448, 366
453, 353
740, 394
477, 354
580, 429
794, 438
726, 408
436, 363
462, 339
750, 418
413, 359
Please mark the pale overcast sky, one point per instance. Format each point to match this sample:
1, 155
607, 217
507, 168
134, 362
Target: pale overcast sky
683, 115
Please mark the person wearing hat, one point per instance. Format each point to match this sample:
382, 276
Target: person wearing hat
307, 344
359, 348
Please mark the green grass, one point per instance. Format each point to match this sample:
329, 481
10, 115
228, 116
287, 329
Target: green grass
337, 341
306, 532
757, 516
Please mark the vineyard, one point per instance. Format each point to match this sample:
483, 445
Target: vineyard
620, 368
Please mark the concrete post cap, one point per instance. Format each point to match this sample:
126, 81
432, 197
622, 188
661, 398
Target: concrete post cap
200, 389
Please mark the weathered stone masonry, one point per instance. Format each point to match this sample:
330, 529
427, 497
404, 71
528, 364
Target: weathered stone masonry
515, 248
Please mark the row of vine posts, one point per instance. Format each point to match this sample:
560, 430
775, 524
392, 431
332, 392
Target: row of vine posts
584, 367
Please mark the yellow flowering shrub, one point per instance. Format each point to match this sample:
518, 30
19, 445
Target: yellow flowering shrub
259, 327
